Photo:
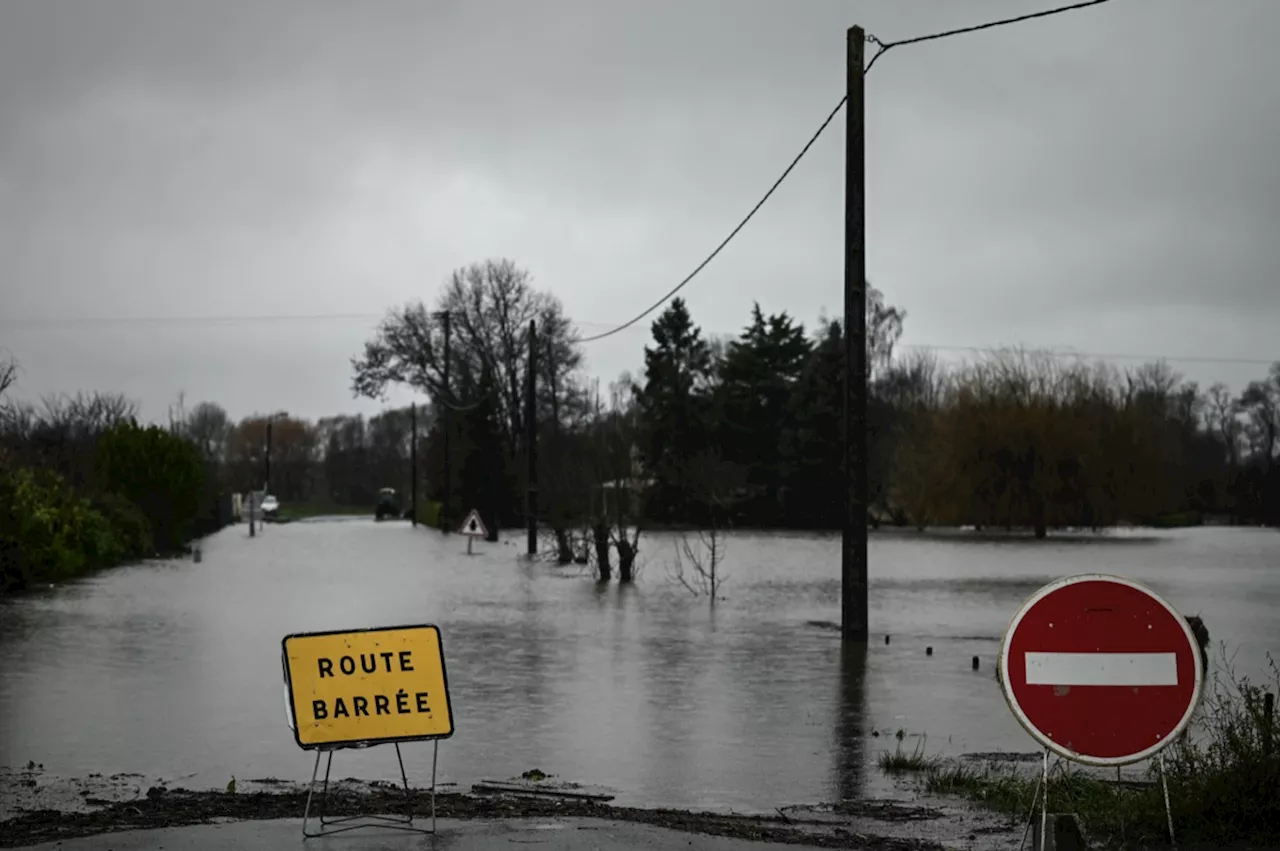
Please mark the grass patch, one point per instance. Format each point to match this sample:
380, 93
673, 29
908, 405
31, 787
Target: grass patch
1222, 780
902, 762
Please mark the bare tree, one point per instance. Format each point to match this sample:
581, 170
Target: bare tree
884, 330
1222, 419
614, 515
86, 414
624, 460
712, 481
1261, 403
209, 428
178, 415
704, 577
490, 305
8, 373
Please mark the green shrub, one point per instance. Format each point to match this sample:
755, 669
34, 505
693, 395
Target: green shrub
159, 472
48, 533
132, 529
429, 514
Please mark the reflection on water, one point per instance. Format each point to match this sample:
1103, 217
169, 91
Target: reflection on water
173, 668
851, 733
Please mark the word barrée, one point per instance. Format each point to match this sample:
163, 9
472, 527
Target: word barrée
381, 705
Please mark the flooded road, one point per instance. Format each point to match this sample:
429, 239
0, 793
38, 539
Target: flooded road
172, 669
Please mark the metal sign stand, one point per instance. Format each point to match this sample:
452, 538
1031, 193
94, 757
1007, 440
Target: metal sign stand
1042, 787
394, 822
1041, 796
1031, 634
1168, 810
315, 653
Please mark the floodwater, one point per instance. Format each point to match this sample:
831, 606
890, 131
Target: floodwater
172, 668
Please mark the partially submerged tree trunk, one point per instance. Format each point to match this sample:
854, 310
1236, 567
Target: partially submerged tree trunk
600, 532
564, 549
626, 559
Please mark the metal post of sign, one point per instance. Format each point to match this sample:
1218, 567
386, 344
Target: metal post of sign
394, 822
1168, 810
1031, 812
1044, 801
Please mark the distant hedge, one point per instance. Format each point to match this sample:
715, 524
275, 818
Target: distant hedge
159, 472
148, 494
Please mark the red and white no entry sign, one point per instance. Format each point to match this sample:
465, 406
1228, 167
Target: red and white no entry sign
1100, 669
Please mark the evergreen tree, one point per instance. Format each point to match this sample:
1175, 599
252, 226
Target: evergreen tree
674, 406
758, 378
813, 449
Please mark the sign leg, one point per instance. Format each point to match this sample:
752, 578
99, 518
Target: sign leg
306, 813
1044, 801
435, 756
1031, 815
404, 780
1168, 810
355, 822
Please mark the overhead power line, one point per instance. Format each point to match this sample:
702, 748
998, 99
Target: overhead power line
883, 48
678, 287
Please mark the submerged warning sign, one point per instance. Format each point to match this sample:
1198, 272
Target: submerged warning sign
367, 687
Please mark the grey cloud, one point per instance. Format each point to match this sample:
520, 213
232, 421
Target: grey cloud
1054, 182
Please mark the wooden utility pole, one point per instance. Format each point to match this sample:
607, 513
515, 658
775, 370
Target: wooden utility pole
853, 556
531, 440
447, 415
413, 465
266, 476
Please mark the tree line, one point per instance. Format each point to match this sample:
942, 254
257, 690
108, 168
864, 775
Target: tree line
748, 430
744, 431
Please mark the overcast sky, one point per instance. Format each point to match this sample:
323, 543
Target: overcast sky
1106, 179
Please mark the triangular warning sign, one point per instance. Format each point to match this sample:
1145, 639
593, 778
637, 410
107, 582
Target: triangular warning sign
473, 526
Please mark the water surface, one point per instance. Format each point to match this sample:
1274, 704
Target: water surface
172, 668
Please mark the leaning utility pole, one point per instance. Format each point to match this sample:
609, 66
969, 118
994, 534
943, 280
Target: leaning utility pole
531, 440
853, 556
413, 465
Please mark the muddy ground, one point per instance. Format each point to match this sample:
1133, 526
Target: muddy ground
37, 808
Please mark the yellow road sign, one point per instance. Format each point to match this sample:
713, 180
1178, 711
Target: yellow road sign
367, 687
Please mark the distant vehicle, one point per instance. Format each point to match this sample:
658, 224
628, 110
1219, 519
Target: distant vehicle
270, 507
388, 505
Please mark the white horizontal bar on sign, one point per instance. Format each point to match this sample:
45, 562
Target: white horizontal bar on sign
1102, 669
